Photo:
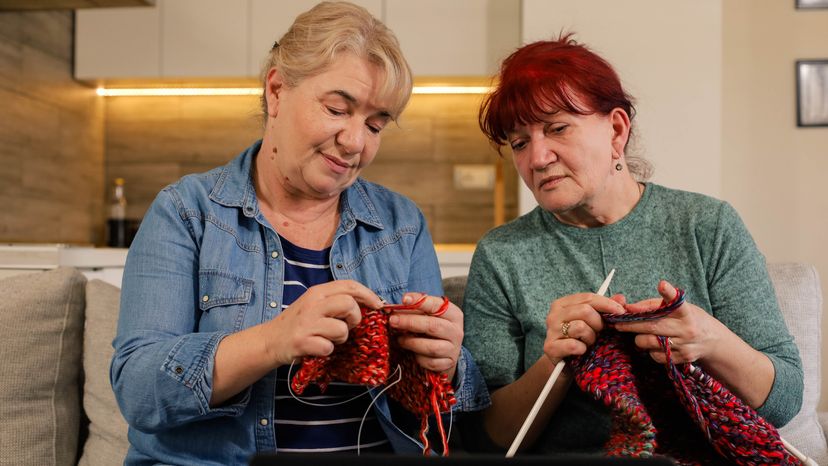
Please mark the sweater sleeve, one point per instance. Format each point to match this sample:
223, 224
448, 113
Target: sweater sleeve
492, 332
744, 300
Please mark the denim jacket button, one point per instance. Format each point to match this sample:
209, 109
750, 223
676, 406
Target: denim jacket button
205, 298
274, 254
263, 421
273, 304
339, 266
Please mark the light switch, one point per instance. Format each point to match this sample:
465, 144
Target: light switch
474, 176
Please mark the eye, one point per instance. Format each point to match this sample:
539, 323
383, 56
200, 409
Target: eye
335, 112
517, 145
557, 128
374, 129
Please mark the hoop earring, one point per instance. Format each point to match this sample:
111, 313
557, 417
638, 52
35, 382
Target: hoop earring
618, 167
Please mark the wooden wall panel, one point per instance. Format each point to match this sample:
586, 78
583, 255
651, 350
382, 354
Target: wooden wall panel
51, 136
152, 141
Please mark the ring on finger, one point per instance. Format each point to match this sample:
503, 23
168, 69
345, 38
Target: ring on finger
565, 329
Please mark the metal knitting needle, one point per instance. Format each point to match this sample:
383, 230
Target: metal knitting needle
549, 384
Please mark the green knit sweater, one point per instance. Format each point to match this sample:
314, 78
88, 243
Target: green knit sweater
693, 241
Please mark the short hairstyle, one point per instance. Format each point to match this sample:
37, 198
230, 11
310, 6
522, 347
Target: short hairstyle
316, 36
561, 74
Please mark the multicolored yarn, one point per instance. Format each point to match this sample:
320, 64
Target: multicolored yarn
367, 357
682, 412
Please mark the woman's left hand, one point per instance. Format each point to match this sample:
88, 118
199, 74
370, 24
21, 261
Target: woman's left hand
435, 340
692, 333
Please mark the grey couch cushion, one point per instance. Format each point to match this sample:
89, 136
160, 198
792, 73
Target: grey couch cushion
107, 442
800, 299
41, 322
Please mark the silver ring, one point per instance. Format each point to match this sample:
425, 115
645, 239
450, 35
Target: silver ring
565, 329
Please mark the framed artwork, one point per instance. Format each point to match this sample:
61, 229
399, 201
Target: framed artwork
804, 4
812, 93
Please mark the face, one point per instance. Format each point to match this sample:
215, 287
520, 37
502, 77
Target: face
567, 159
327, 128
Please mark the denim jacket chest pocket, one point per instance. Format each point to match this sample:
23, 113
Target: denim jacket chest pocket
384, 264
223, 299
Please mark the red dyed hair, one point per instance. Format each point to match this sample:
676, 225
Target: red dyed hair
561, 74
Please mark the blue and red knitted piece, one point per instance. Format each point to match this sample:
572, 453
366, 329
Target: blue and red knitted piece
370, 356
674, 410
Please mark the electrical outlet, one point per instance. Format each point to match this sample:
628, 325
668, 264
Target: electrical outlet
474, 176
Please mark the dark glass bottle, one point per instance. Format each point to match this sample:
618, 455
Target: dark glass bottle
116, 222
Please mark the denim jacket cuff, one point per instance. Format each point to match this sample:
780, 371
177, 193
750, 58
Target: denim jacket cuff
191, 362
469, 386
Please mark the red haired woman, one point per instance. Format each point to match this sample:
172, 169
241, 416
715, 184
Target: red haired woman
530, 299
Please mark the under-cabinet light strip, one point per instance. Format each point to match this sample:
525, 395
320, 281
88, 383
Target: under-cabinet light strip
193, 91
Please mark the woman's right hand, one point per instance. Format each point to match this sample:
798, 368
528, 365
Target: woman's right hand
574, 321
318, 320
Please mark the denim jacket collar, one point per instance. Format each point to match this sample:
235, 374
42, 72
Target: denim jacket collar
234, 188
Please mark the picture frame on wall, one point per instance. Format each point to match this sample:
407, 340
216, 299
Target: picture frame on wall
806, 4
812, 93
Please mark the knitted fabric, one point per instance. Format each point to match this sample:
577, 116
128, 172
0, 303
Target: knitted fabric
367, 358
676, 410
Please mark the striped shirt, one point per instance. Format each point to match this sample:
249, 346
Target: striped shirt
300, 427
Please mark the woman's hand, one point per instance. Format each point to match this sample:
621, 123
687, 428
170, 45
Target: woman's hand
692, 332
435, 340
318, 320
574, 321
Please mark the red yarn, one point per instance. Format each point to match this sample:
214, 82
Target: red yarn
672, 409
367, 357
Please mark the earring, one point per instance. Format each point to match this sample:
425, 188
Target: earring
619, 167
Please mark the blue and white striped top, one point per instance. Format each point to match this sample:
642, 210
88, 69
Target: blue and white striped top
301, 428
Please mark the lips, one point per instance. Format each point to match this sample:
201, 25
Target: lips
550, 182
337, 165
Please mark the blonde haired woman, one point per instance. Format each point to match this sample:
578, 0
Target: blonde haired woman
240, 271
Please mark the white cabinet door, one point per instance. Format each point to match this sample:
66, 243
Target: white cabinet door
204, 38
117, 43
456, 37
270, 19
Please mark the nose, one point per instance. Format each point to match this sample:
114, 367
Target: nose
541, 154
351, 137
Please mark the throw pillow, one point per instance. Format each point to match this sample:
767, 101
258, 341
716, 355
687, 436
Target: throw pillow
107, 442
41, 320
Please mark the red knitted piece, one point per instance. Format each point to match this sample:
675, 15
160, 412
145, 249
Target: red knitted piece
367, 357
673, 410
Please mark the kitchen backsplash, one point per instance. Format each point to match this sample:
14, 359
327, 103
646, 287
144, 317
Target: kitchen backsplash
153, 141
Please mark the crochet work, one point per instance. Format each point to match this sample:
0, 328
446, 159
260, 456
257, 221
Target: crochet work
367, 358
673, 410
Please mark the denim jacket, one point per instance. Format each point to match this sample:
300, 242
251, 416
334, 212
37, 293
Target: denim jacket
206, 263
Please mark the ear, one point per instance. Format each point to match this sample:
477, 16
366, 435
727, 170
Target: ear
273, 90
620, 122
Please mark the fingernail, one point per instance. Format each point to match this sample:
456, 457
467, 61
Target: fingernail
394, 320
408, 299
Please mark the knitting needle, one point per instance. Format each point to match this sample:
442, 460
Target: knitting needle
549, 383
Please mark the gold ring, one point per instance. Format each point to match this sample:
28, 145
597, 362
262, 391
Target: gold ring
565, 329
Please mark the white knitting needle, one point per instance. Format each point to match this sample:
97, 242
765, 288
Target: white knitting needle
549, 383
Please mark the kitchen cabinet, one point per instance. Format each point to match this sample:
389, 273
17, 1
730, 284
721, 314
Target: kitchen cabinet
270, 19
204, 38
181, 39
457, 37
117, 43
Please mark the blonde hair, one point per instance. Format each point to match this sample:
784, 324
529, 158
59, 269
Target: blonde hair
311, 44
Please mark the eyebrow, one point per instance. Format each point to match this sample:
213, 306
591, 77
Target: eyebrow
353, 100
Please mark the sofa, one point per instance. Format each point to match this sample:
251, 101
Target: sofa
57, 407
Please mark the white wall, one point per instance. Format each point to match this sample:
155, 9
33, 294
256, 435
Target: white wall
716, 99
669, 57
773, 172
